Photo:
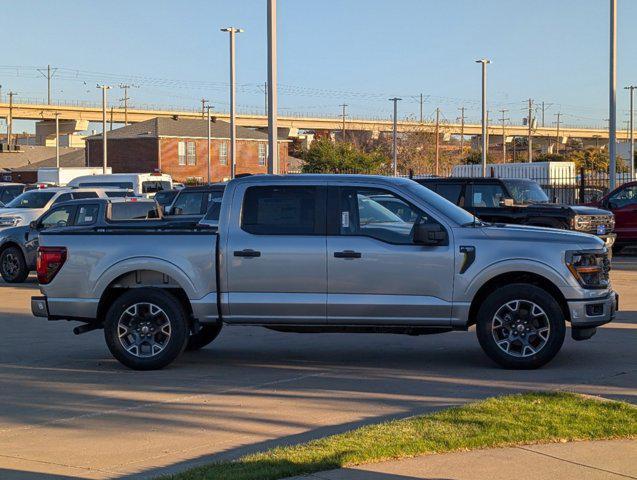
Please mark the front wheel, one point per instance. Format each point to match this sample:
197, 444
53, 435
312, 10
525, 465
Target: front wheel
521, 326
146, 329
13, 267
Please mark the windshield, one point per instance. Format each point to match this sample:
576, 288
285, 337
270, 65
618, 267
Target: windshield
444, 206
526, 191
370, 211
31, 199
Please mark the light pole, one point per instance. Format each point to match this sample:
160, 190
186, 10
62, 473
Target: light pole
209, 107
273, 128
632, 88
57, 139
104, 139
395, 142
485, 146
233, 128
612, 96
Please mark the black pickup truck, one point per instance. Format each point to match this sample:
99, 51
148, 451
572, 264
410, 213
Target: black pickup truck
520, 201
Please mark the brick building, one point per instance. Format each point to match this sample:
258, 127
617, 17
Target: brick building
178, 147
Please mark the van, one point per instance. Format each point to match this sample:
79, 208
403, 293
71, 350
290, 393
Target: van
146, 184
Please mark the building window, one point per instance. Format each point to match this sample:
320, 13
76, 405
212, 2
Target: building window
262, 154
223, 153
181, 152
191, 153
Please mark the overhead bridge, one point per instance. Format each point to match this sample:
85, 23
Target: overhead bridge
82, 114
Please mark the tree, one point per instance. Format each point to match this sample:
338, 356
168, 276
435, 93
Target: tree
549, 157
474, 157
594, 159
325, 156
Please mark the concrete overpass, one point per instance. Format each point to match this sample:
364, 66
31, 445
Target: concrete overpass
83, 114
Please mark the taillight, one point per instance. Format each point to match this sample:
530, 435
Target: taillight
50, 261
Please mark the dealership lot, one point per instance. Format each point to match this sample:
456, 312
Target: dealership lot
68, 410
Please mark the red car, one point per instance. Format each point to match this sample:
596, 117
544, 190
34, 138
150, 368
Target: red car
623, 203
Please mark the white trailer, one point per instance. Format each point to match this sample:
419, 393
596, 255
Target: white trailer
545, 173
63, 175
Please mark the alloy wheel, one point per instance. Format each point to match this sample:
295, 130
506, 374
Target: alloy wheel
520, 328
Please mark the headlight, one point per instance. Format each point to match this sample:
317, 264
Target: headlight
9, 221
589, 267
582, 222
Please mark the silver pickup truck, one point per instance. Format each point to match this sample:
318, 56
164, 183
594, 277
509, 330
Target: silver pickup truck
319, 253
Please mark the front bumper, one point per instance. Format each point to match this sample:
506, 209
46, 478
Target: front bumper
593, 312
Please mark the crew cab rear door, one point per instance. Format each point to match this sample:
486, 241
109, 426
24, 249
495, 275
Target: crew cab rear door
483, 199
275, 254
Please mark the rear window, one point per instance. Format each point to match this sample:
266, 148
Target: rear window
87, 215
283, 211
450, 191
80, 195
119, 194
133, 211
154, 186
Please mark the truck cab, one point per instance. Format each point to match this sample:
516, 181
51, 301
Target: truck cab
623, 203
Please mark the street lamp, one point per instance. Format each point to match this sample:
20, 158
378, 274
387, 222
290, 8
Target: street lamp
233, 130
485, 145
631, 89
395, 143
104, 140
273, 128
612, 96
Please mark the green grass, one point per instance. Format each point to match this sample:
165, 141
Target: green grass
495, 422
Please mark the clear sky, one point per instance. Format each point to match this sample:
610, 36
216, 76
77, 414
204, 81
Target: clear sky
358, 52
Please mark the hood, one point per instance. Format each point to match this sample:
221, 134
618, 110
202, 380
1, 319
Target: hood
566, 238
26, 215
577, 209
582, 210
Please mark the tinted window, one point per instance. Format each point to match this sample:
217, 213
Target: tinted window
283, 211
133, 211
165, 197
31, 199
87, 215
80, 195
450, 191
626, 196
65, 197
9, 193
486, 195
154, 186
126, 185
59, 217
188, 203
119, 194
360, 214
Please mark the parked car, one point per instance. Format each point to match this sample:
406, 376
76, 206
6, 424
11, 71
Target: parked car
31, 204
166, 197
18, 245
623, 203
8, 191
193, 202
143, 184
315, 253
521, 201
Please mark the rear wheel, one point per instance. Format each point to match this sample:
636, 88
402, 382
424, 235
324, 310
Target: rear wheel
521, 326
13, 267
146, 329
206, 334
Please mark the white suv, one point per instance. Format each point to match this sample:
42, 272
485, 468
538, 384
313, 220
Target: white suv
31, 204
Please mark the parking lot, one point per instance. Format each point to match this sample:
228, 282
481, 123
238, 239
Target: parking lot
68, 410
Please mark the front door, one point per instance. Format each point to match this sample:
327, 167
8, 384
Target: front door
275, 255
376, 274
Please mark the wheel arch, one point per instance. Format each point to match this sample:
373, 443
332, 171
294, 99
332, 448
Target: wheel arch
508, 278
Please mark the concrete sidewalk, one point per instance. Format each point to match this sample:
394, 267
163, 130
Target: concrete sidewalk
608, 460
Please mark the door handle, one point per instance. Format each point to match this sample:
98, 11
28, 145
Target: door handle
347, 254
249, 253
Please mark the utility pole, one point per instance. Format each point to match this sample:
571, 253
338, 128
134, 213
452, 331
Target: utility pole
395, 139
48, 75
631, 127
343, 115
503, 119
111, 126
104, 136
612, 96
462, 109
203, 106
208, 108
273, 127
485, 146
233, 121
57, 139
10, 119
265, 98
421, 105
542, 114
125, 100
530, 134
557, 143
437, 141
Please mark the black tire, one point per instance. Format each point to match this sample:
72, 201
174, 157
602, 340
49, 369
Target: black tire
148, 328
13, 267
515, 327
206, 334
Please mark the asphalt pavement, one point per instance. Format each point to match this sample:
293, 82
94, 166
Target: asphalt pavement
68, 410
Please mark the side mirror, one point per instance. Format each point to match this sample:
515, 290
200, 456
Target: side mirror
167, 210
33, 225
430, 234
178, 211
506, 202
